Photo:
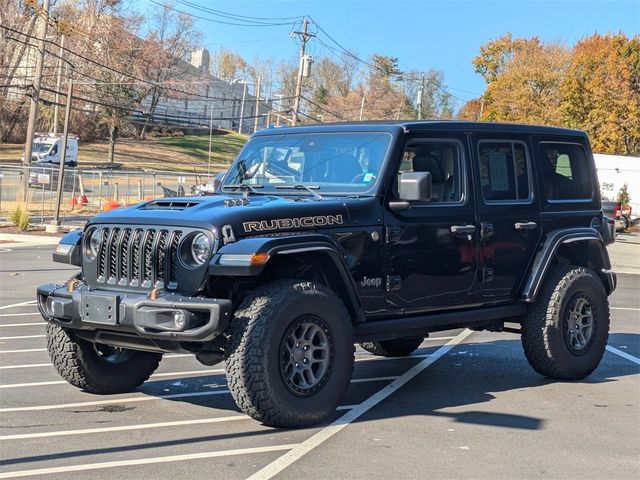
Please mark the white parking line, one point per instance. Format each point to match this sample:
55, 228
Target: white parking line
33, 384
122, 428
323, 435
361, 357
31, 365
148, 398
21, 337
30, 302
625, 308
622, 354
178, 375
25, 324
114, 401
24, 350
19, 314
147, 461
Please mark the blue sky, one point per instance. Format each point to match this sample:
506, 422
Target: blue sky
423, 34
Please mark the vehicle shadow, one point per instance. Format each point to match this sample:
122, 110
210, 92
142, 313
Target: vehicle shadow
454, 387
475, 373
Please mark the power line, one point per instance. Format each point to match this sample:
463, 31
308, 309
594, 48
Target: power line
208, 19
234, 15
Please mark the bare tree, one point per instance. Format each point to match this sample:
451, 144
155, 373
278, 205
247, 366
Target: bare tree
228, 65
170, 38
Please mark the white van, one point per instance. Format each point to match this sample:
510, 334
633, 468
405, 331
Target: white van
47, 148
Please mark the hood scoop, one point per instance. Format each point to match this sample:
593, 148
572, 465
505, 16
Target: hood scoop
170, 204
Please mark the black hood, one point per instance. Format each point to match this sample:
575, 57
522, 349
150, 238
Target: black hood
249, 215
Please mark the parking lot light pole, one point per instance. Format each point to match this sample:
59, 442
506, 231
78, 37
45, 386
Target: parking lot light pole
54, 226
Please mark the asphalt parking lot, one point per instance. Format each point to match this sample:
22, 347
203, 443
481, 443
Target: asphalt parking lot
466, 405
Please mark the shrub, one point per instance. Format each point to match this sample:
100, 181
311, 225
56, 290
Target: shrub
20, 218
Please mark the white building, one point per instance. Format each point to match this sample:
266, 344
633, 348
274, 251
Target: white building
616, 170
212, 100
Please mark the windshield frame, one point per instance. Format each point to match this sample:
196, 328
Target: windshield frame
360, 192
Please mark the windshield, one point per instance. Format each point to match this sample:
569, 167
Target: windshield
40, 147
331, 162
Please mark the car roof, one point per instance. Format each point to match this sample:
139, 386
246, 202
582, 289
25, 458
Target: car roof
424, 125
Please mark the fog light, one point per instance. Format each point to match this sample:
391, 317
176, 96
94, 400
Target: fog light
179, 319
48, 306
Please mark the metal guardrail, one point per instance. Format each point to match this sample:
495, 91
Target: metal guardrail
89, 191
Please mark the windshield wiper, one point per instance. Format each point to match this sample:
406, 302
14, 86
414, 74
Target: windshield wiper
309, 188
245, 187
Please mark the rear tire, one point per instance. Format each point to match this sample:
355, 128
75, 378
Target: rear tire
565, 333
289, 353
398, 347
97, 368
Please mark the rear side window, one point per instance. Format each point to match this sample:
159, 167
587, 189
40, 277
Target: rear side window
566, 172
504, 171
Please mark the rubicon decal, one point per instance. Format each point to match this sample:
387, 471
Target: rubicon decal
286, 223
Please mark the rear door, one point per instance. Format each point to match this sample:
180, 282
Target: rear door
508, 212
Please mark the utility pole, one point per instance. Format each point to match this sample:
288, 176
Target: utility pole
244, 95
55, 223
420, 97
481, 108
362, 106
255, 122
35, 96
304, 36
56, 107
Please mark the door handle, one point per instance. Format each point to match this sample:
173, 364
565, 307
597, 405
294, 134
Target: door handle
462, 229
525, 225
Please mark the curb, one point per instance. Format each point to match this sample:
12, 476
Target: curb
29, 239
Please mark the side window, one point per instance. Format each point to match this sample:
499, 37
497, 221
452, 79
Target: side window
566, 172
443, 159
504, 171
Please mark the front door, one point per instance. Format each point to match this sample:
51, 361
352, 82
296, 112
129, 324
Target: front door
508, 211
432, 246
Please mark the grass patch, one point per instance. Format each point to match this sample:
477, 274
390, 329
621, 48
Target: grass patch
188, 153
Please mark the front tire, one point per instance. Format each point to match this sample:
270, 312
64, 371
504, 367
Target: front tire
565, 333
289, 353
398, 347
97, 368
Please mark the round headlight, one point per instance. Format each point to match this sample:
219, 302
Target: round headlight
93, 244
200, 248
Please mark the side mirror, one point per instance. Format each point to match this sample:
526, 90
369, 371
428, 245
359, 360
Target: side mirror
217, 181
412, 187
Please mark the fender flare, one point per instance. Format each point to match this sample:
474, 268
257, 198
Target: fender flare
288, 245
553, 241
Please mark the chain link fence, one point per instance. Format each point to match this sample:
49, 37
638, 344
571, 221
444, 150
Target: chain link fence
88, 192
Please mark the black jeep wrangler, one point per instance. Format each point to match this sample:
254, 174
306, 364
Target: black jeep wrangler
320, 237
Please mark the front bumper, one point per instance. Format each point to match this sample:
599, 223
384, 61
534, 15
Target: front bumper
134, 315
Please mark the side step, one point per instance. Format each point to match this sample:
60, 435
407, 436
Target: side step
388, 329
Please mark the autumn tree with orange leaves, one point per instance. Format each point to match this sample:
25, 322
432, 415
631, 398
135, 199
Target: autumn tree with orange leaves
601, 92
594, 86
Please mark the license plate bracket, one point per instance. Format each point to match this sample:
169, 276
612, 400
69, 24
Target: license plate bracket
99, 308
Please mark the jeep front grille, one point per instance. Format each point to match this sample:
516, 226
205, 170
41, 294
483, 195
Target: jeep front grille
138, 257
